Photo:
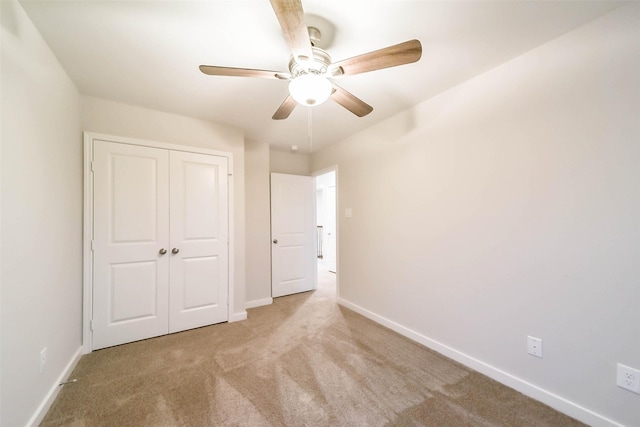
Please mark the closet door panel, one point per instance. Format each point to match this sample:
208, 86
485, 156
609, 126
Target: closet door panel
131, 225
199, 240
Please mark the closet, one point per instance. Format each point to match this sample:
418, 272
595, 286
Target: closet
159, 246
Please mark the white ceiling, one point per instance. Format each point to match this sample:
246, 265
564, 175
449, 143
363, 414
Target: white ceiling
147, 53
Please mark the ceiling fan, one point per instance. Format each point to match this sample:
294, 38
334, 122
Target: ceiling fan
310, 67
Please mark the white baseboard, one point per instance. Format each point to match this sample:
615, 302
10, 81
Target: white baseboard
40, 413
557, 402
258, 302
237, 317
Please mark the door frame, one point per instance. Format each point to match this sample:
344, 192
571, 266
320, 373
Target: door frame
87, 238
315, 174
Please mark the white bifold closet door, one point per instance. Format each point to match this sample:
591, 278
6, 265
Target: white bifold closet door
160, 242
199, 229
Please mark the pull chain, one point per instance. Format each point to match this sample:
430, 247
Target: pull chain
309, 129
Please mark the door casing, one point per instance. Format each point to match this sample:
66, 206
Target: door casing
327, 217
316, 174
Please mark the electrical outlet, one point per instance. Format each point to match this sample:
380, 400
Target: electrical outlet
43, 358
628, 378
534, 346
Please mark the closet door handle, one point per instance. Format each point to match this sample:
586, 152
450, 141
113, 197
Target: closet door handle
275, 241
162, 251
175, 251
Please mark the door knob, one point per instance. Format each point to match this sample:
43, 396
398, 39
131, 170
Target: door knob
162, 251
275, 241
175, 251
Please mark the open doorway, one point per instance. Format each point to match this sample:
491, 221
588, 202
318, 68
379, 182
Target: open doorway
326, 203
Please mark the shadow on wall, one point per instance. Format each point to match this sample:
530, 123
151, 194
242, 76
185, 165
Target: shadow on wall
8, 19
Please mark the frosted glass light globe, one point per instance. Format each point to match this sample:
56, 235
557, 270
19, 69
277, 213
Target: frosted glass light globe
310, 89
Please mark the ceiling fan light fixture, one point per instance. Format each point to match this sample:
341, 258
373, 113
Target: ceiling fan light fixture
310, 89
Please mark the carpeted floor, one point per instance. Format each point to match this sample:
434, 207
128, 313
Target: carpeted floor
302, 361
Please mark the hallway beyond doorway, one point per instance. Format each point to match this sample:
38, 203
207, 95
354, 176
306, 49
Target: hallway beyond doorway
326, 278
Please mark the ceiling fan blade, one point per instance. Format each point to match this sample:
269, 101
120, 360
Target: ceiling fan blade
291, 18
399, 54
285, 109
350, 101
242, 72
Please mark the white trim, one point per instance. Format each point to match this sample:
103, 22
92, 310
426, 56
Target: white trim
237, 317
545, 396
314, 252
231, 314
258, 303
155, 144
333, 168
40, 413
87, 253
87, 275
1, 352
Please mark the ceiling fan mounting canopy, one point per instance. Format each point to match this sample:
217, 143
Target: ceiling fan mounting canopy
311, 67
314, 36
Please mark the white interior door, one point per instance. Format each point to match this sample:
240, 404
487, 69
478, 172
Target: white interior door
293, 234
199, 241
131, 227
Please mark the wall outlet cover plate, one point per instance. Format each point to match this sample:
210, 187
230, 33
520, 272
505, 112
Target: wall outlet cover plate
628, 378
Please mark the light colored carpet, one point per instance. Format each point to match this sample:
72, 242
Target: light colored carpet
303, 361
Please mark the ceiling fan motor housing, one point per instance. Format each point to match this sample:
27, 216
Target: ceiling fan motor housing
309, 85
319, 64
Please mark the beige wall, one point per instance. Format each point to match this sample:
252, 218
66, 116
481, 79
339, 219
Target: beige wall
260, 161
289, 163
258, 224
112, 118
508, 207
41, 219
